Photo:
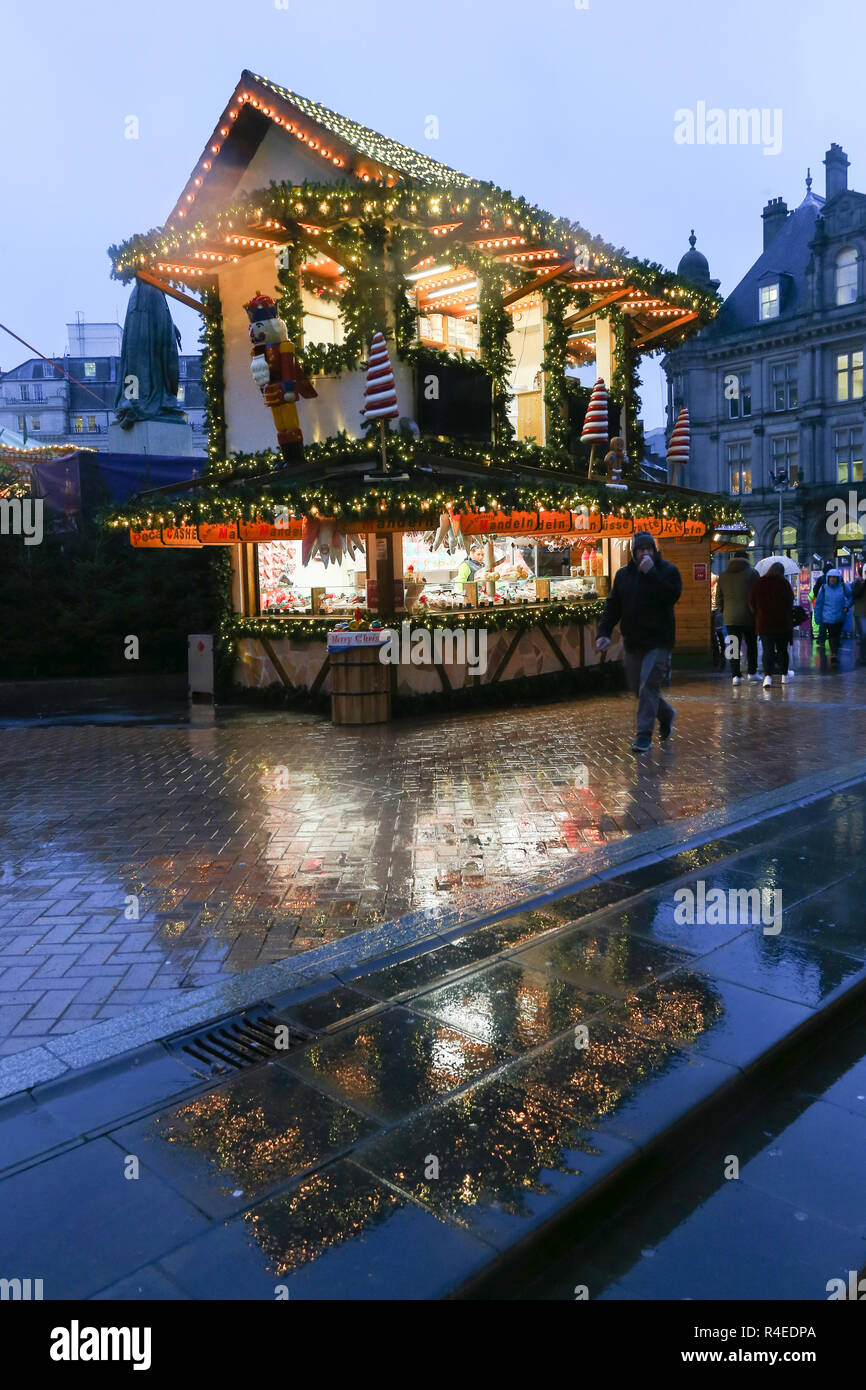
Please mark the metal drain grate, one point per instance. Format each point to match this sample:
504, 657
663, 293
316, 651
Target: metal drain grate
234, 1043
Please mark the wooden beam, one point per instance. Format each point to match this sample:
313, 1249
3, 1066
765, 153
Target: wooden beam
538, 283
592, 309
665, 328
566, 665
512, 647
170, 290
275, 662
320, 678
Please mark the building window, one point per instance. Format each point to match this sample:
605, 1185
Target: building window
37, 392
181, 393
35, 422
91, 424
783, 454
738, 390
90, 369
770, 301
740, 467
789, 540
22, 423
676, 394
783, 385
848, 449
849, 376
846, 277
25, 393
78, 424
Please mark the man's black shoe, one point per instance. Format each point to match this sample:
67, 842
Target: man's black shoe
666, 727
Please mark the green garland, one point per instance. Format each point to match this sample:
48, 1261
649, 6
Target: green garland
558, 433
428, 359
492, 619
409, 203
418, 506
212, 353
494, 328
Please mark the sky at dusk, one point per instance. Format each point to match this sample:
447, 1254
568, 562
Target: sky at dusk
571, 104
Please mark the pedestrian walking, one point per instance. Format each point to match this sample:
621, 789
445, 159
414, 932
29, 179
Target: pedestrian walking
735, 585
858, 595
641, 600
831, 605
771, 599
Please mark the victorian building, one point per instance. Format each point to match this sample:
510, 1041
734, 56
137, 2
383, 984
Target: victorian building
774, 384
40, 404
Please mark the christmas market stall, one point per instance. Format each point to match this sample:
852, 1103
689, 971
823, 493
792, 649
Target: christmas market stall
398, 429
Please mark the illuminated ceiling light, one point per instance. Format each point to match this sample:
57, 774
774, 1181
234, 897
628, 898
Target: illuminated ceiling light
432, 270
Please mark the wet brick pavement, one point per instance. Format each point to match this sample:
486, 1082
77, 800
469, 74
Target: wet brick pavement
139, 861
438, 1119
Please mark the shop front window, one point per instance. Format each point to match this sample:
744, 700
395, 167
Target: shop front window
288, 586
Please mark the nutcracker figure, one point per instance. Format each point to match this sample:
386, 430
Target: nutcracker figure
276, 372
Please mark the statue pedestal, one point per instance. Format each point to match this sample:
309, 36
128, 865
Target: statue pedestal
173, 439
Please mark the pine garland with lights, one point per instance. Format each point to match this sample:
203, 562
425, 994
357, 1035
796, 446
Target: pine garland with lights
520, 618
212, 353
232, 492
553, 363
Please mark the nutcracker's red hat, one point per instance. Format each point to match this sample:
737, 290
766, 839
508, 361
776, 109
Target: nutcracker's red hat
260, 307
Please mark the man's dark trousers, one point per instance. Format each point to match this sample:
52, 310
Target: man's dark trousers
645, 673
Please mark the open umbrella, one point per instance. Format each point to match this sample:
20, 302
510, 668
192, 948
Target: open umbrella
791, 567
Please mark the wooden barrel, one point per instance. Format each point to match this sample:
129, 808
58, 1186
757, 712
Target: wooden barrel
360, 687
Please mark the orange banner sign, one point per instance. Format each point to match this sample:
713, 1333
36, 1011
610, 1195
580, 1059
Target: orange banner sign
652, 524
263, 531
614, 525
498, 523
556, 522
587, 523
185, 536
223, 533
146, 540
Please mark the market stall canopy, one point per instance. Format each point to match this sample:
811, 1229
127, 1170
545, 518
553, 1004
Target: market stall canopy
483, 491
339, 173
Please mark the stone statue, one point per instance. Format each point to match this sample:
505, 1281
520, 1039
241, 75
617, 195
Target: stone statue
149, 366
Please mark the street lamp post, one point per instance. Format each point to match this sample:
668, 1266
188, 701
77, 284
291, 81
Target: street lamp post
779, 478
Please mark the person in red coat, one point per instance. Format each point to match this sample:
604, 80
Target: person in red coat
771, 599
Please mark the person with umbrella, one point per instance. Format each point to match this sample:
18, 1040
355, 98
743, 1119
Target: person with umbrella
771, 599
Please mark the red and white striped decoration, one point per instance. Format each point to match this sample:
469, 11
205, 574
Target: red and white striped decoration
595, 424
380, 394
678, 448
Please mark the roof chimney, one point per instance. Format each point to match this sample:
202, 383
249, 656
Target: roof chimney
836, 163
774, 215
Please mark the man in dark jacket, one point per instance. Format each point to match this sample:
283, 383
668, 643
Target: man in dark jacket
642, 601
734, 587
